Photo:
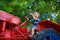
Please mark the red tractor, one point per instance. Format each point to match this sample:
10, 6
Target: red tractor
10, 29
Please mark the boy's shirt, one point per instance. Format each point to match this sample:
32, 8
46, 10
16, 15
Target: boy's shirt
35, 22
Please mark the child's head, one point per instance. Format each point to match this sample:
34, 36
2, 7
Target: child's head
36, 14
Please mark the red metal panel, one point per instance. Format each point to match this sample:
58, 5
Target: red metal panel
3, 25
48, 24
9, 18
4, 15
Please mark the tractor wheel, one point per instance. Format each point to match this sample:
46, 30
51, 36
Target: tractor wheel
47, 34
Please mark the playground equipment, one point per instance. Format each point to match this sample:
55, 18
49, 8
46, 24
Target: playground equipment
10, 29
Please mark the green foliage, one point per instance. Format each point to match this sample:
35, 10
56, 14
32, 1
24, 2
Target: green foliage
21, 8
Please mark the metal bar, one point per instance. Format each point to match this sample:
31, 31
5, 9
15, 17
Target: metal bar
3, 25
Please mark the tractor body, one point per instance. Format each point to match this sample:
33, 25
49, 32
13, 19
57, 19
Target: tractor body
10, 28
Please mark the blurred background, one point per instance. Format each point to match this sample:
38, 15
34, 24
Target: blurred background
22, 8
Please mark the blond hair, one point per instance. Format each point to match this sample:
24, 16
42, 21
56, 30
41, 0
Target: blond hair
36, 13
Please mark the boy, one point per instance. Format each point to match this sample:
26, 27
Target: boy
34, 21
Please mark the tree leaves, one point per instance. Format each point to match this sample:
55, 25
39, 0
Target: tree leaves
22, 8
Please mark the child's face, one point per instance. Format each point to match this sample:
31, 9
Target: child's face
36, 14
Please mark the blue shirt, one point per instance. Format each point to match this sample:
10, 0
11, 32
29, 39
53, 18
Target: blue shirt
35, 22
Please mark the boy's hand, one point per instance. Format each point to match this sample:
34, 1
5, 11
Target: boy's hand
31, 14
27, 19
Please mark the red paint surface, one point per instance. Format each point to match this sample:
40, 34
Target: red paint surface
10, 27
48, 24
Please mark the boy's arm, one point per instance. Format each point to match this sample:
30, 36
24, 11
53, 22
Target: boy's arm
33, 16
27, 20
23, 23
